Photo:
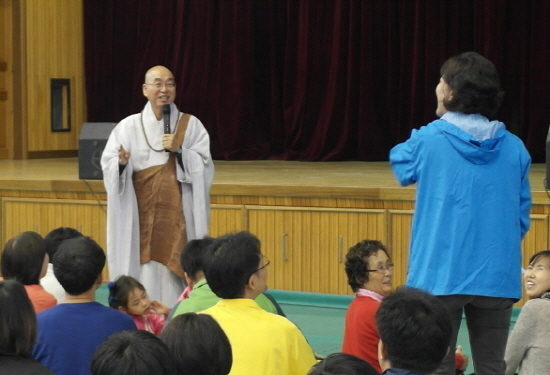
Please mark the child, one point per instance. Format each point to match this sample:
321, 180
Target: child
128, 295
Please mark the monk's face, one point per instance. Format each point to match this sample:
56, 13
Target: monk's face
159, 87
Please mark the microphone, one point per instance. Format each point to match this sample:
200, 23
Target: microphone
166, 116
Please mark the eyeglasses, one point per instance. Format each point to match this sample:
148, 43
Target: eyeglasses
158, 85
265, 263
383, 269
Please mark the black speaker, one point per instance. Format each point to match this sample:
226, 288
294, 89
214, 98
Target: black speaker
92, 141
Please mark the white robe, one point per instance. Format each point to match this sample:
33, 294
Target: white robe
122, 213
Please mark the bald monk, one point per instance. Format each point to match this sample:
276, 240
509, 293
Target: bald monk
157, 189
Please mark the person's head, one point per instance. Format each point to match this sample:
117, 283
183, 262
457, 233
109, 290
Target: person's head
415, 331
17, 319
56, 236
159, 87
24, 258
235, 267
135, 352
128, 295
537, 276
369, 266
342, 364
191, 259
469, 84
77, 265
198, 344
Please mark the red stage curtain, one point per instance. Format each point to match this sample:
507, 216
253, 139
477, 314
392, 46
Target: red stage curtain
314, 80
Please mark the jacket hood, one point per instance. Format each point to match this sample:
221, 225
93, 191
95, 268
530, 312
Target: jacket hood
471, 149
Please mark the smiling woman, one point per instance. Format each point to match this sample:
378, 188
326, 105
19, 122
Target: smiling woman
528, 345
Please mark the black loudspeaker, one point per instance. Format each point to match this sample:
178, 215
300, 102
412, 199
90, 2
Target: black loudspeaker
92, 141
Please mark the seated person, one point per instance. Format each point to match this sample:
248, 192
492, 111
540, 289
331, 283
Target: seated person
51, 243
529, 344
198, 344
341, 363
24, 259
262, 343
135, 352
128, 295
201, 296
369, 269
69, 333
17, 331
415, 332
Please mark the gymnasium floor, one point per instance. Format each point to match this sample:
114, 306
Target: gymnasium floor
321, 318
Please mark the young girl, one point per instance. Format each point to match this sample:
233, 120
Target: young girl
129, 296
528, 344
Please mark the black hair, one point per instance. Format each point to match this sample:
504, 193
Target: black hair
357, 262
342, 364
77, 264
198, 344
120, 289
56, 236
23, 258
474, 83
415, 328
17, 319
231, 261
191, 258
540, 254
134, 352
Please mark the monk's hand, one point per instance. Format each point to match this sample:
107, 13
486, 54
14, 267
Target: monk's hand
123, 156
169, 142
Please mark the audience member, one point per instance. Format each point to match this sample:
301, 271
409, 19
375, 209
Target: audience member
135, 352
529, 343
262, 343
51, 243
69, 334
198, 344
17, 331
201, 296
343, 364
415, 331
369, 269
24, 259
128, 295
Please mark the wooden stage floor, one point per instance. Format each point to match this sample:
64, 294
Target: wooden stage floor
362, 180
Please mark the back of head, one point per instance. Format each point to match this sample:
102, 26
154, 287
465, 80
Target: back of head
17, 319
78, 264
343, 364
192, 256
198, 344
135, 352
23, 258
415, 328
56, 236
475, 84
357, 258
231, 261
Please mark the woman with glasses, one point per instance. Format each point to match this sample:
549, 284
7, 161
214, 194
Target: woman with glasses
370, 270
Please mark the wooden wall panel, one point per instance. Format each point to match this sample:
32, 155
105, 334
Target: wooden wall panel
6, 78
400, 227
226, 218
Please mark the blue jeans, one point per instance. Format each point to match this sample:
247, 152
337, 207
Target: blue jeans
488, 320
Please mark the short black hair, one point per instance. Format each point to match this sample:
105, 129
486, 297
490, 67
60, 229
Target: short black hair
198, 344
230, 262
54, 238
17, 319
77, 264
475, 84
191, 258
134, 352
343, 364
415, 328
23, 258
120, 289
357, 262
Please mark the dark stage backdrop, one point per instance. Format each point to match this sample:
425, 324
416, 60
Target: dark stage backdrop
314, 80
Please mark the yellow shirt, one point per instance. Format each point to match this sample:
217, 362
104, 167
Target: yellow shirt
262, 343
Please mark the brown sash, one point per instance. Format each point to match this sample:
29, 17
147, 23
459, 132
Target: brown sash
161, 222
